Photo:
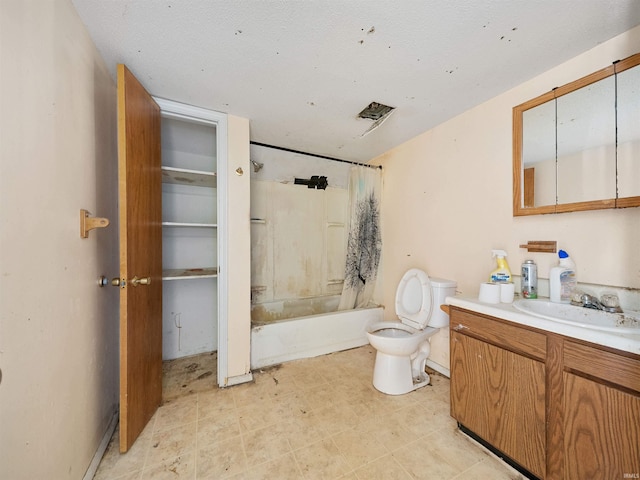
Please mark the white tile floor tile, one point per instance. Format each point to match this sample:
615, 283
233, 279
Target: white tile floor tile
318, 418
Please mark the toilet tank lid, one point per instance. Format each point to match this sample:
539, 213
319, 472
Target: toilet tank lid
442, 282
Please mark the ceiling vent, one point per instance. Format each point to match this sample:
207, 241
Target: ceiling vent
378, 113
375, 111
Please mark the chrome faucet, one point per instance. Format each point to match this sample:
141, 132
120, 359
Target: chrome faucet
609, 303
587, 301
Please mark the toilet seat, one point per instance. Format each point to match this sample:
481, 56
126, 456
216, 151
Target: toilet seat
413, 299
392, 329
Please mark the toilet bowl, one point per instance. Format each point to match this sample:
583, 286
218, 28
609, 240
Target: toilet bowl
402, 347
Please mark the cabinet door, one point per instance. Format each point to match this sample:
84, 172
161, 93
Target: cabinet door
500, 396
602, 430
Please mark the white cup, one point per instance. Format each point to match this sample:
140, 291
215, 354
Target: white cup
507, 291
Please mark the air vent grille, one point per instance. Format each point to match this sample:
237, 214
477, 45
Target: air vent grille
375, 111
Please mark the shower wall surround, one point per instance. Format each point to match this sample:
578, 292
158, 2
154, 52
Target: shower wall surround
298, 234
298, 240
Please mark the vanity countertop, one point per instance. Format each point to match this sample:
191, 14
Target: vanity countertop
506, 311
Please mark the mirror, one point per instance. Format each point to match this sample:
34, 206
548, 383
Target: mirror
578, 146
586, 143
539, 155
628, 82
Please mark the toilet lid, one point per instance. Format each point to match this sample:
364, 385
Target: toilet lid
413, 299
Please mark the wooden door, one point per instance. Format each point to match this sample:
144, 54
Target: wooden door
529, 187
140, 215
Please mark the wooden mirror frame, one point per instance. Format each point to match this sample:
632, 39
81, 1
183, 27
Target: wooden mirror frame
518, 174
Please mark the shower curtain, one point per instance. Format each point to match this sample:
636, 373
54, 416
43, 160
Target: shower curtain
364, 243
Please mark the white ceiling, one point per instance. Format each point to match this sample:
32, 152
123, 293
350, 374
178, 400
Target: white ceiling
301, 71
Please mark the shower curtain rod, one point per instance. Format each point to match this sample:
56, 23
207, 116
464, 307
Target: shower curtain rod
258, 144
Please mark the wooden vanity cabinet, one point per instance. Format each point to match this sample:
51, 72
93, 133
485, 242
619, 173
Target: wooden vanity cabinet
601, 413
558, 407
498, 386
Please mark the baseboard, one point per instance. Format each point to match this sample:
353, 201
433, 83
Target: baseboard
501, 456
439, 368
238, 379
106, 438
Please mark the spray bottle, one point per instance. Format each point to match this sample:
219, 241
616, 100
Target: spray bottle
501, 274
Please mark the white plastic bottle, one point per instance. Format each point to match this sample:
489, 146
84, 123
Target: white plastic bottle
562, 279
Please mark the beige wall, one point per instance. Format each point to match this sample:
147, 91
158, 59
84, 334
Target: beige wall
239, 246
58, 330
448, 200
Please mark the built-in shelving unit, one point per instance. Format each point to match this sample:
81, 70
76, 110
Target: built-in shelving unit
189, 273
189, 224
189, 195
183, 176
189, 233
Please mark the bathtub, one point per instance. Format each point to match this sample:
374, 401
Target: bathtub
289, 330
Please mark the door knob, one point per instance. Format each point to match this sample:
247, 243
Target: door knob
116, 282
135, 281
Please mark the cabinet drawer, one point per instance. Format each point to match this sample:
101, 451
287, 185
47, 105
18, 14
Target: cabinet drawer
611, 367
505, 335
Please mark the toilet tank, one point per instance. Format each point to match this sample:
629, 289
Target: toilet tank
440, 289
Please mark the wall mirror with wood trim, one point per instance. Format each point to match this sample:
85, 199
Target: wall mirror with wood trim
578, 146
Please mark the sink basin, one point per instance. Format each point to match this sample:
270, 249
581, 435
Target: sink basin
628, 322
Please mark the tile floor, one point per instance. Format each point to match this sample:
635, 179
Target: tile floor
317, 418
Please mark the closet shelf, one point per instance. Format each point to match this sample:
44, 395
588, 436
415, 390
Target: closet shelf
183, 176
189, 273
189, 224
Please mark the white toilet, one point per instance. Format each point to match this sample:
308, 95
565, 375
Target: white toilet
403, 347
